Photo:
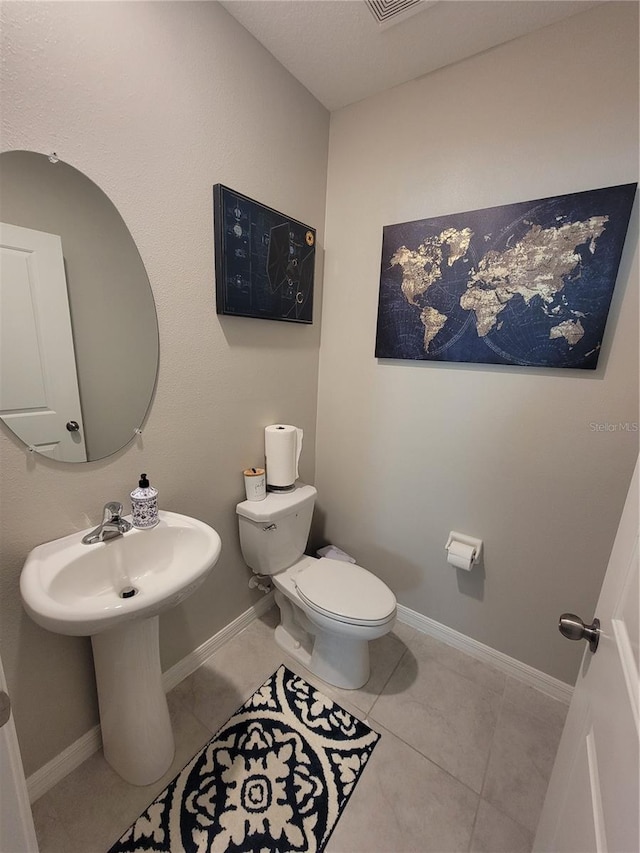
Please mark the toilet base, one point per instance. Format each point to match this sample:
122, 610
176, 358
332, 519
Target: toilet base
340, 660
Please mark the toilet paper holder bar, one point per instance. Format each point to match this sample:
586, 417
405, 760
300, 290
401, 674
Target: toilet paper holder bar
475, 543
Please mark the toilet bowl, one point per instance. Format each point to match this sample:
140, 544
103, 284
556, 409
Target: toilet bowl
329, 610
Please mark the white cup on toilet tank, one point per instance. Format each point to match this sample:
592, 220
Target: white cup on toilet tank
255, 484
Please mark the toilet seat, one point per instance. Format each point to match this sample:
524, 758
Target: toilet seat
345, 592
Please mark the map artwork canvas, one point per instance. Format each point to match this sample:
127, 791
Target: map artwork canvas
527, 284
264, 260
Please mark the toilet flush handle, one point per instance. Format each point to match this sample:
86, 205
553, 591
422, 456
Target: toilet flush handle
270, 527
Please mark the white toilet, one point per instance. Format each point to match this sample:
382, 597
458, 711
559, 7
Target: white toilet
329, 609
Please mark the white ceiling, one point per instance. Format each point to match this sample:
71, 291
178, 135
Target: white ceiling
337, 50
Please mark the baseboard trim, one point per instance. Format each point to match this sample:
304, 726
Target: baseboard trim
188, 665
74, 755
55, 770
510, 666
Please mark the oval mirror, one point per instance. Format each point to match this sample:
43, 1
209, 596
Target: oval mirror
78, 325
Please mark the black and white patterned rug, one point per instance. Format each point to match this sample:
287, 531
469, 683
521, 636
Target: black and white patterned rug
275, 777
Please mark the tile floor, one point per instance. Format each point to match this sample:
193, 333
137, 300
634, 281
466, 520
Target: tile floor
462, 765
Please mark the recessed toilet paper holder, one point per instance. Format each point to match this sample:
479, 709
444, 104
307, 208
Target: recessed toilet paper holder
463, 551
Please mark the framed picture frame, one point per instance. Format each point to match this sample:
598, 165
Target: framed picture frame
526, 284
264, 260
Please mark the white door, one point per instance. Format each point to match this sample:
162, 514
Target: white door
38, 379
593, 799
17, 834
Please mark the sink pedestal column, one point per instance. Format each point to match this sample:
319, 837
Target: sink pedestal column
136, 729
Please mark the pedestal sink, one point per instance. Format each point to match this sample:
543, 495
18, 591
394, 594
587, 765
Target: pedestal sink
113, 592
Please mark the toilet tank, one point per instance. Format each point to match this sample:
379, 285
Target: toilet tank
274, 531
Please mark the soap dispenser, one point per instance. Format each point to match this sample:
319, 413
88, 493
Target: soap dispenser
144, 504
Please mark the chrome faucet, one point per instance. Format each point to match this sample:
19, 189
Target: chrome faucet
113, 524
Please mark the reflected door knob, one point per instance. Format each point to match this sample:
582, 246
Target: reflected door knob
73, 426
5, 708
573, 628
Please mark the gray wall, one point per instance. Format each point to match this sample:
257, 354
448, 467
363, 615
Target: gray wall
407, 451
156, 102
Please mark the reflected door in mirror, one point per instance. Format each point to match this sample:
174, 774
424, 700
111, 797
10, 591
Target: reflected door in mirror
38, 378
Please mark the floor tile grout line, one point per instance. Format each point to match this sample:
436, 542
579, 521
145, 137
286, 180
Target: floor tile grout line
493, 740
503, 701
191, 710
381, 691
507, 677
457, 672
500, 693
464, 675
525, 709
426, 757
211, 732
473, 825
508, 703
486, 767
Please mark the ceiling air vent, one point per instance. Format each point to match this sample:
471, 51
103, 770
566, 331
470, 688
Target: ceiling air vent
389, 12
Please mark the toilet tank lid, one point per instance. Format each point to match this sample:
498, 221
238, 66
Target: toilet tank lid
277, 504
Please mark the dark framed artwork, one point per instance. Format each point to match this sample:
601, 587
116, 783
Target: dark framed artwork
264, 260
527, 283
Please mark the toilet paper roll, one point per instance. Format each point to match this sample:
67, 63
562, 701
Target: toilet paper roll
460, 555
282, 448
254, 484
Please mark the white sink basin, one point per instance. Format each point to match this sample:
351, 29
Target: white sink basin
72, 588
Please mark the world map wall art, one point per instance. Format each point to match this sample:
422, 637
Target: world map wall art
527, 283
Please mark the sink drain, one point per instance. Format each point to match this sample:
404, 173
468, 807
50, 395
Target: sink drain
128, 592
